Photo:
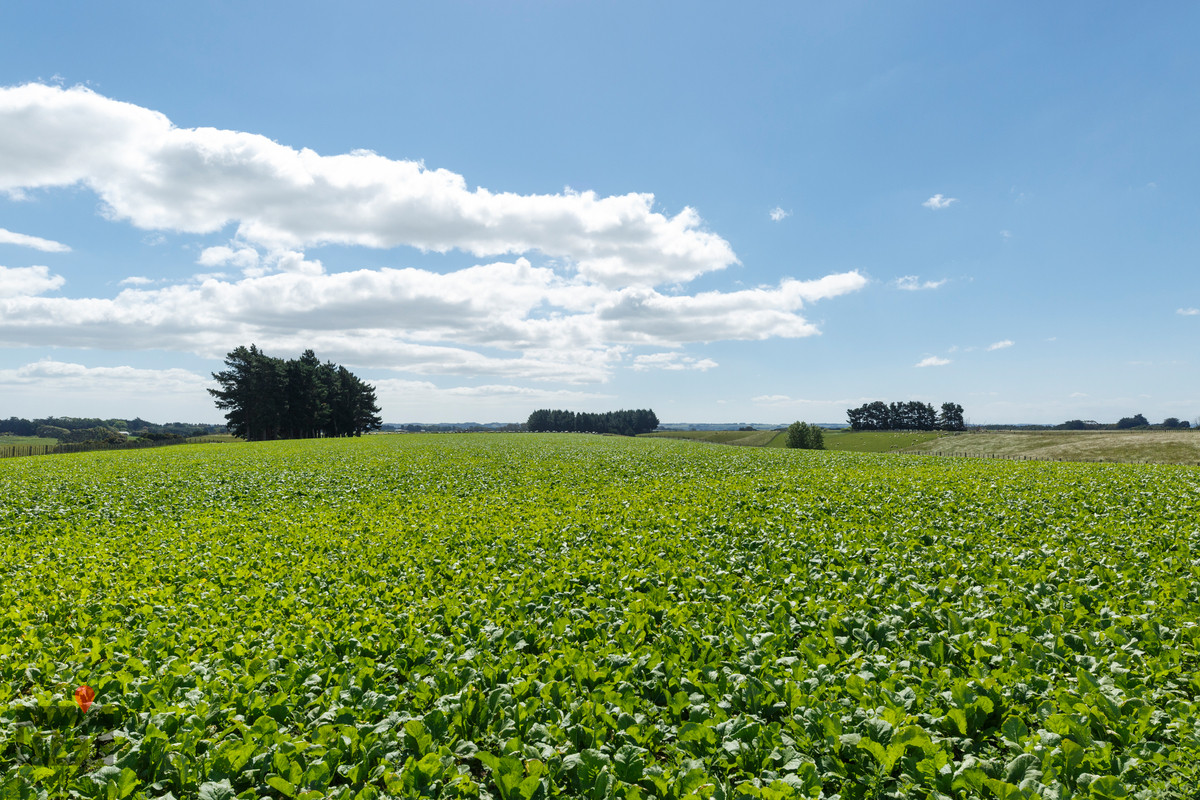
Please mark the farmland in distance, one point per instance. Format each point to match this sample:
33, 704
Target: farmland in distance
525, 616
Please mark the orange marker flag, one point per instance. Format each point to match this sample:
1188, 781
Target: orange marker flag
84, 696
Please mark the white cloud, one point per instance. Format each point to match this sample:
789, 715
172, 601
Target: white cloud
938, 201
1000, 345
244, 258
198, 180
644, 316
59, 376
777, 214
911, 283
771, 399
27, 281
1188, 312
783, 400
36, 242
502, 319
574, 320
671, 361
932, 361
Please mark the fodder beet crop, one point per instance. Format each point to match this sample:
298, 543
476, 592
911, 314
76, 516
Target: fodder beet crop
519, 617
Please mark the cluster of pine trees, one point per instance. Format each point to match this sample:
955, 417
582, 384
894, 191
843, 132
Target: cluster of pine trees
623, 423
269, 398
909, 416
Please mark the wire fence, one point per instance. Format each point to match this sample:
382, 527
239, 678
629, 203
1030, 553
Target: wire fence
19, 450
1071, 459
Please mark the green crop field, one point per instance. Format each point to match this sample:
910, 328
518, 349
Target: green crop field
525, 616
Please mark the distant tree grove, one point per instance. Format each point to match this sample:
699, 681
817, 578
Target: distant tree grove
94, 429
269, 398
623, 423
802, 436
909, 416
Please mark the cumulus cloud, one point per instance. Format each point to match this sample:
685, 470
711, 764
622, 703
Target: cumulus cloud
939, 201
590, 309
501, 319
245, 258
911, 283
36, 242
1188, 312
671, 361
198, 180
932, 361
1000, 345
777, 214
644, 316
27, 281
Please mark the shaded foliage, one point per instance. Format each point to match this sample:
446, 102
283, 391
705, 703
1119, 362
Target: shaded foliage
624, 422
908, 416
802, 436
269, 398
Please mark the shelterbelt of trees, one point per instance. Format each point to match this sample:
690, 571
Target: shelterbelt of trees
95, 429
269, 398
623, 423
909, 416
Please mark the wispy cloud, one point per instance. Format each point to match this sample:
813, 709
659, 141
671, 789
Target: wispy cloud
1188, 312
778, 214
932, 361
36, 242
671, 361
912, 283
939, 201
1001, 344
62, 376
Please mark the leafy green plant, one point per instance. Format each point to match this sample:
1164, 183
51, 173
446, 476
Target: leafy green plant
522, 617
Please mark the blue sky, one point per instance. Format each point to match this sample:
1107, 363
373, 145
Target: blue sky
725, 214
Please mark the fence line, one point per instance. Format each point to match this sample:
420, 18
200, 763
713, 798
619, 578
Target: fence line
21, 450
1025, 457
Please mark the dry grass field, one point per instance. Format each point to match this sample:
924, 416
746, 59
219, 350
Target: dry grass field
1157, 447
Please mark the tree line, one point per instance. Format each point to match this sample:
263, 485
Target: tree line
623, 423
907, 416
301, 398
95, 429
1124, 423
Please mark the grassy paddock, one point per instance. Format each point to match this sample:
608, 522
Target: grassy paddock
738, 438
878, 441
27, 440
1157, 447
